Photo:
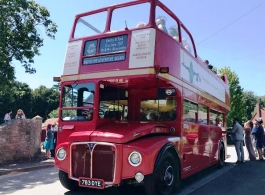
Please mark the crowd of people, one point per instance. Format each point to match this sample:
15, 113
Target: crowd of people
252, 136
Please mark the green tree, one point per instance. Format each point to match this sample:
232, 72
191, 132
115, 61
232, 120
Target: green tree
19, 37
22, 98
66, 113
250, 102
238, 106
45, 100
18, 96
54, 113
262, 100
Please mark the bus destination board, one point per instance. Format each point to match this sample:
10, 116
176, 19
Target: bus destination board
113, 44
90, 48
104, 59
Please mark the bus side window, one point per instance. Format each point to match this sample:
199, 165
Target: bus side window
202, 115
216, 118
190, 111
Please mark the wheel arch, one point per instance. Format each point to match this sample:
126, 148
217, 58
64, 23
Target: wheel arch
171, 148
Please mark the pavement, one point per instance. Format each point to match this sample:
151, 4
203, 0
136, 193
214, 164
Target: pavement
25, 167
47, 163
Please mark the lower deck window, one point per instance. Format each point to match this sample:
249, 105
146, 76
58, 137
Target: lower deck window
158, 110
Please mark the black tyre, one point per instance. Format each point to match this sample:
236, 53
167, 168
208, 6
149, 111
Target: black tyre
69, 184
166, 179
221, 156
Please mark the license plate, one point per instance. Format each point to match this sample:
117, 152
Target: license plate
91, 183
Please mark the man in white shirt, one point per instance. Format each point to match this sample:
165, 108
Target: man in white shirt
238, 137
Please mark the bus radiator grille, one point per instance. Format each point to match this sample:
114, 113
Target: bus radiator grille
102, 162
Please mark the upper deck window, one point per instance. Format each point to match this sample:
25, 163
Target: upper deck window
167, 24
129, 17
91, 25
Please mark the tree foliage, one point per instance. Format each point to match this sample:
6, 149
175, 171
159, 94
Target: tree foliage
40, 101
44, 101
250, 101
19, 37
238, 105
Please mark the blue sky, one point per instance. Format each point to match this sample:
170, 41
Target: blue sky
239, 46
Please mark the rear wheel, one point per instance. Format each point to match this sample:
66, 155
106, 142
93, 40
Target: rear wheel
69, 184
221, 156
166, 179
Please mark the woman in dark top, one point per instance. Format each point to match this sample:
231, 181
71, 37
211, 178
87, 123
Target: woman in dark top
259, 135
248, 140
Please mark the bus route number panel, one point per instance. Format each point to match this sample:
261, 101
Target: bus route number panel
91, 183
106, 45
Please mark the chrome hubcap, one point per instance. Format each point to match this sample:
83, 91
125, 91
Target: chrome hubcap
169, 175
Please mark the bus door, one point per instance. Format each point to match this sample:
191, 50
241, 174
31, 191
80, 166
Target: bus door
204, 140
190, 129
216, 119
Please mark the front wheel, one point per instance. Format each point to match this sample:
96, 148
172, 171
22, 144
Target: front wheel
69, 184
166, 179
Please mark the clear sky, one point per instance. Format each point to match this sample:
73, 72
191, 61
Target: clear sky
241, 45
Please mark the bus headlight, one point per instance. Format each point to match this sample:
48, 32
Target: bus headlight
61, 154
135, 158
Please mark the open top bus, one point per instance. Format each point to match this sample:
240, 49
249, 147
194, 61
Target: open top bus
137, 105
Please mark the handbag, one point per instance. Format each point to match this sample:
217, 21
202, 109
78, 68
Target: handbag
45, 144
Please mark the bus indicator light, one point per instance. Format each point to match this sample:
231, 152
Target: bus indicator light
164, 70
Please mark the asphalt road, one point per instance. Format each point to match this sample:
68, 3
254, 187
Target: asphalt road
243, 179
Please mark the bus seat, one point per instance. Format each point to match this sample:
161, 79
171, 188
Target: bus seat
113, 115
143, 116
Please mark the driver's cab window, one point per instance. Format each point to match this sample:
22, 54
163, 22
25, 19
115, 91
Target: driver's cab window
88, 98
113, 103
78, 102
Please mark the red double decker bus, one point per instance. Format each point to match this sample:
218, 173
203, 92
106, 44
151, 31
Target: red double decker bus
137, 104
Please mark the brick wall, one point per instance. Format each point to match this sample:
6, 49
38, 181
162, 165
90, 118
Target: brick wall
20, 140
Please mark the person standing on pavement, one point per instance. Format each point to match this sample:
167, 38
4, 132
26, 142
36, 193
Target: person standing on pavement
54, 133
253, 132
48, 143
238, 137
259, 136
248, 126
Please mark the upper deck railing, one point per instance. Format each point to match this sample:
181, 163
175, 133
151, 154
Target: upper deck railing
134, 39
116, 30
